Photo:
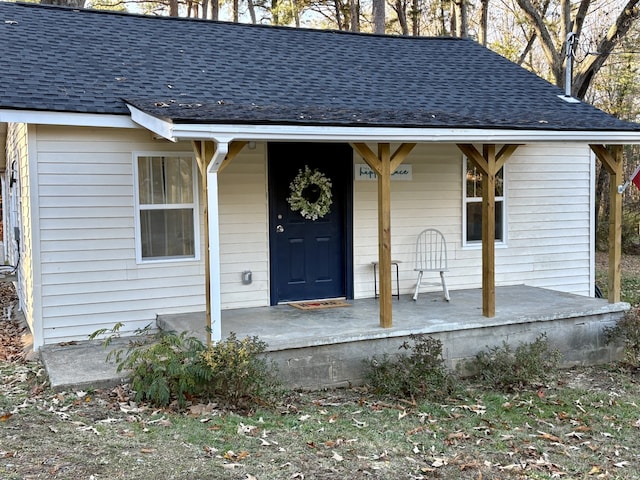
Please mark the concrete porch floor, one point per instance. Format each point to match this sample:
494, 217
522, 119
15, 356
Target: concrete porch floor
284, 327
327, 348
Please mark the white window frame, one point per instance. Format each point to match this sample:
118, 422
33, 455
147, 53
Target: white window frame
195, 206
466, 200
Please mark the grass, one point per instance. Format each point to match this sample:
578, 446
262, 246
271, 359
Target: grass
585, 421
629, 282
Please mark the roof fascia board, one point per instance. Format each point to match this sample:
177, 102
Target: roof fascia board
226, 132
154, 124
67, 119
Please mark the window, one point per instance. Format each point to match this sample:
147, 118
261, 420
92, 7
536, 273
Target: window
472, 210
167, 207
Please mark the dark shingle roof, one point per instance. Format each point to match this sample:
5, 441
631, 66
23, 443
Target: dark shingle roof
194, 71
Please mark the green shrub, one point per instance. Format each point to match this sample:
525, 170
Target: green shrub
168, 366
163, 366
507, 369
420, 374
628, 331
237, 371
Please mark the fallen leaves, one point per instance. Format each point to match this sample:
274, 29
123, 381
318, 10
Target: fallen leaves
549, 437
477, 409
11, 331
230, 455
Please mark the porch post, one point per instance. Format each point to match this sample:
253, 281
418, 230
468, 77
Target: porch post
384, 235
384, 164
490, 164
489, 232
209, 159
612, 161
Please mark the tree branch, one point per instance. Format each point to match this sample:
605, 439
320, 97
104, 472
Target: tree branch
591, 66
553, 56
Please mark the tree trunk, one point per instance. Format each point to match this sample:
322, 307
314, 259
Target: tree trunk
593, 63
400, 8
192, 9
296, 13
354, 9
173, 8
461, 23
415, 18
378, 16
64, 3
337, 6
252, 11
215, 9
554, 49
443, 25
236, 8
484, 21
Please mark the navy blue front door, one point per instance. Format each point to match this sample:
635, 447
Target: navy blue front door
309, 257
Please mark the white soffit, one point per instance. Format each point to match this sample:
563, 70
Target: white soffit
225, 133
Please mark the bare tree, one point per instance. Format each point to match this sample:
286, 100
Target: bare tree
400, 7
354, 12
378, 16
553, 41
415, 17
460, 23
64, 3
483, 22
252, 11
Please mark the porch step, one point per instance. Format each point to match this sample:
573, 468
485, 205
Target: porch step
192, 322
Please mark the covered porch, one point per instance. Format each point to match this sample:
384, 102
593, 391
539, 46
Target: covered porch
327, 347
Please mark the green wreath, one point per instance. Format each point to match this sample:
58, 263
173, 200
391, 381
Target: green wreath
310, 194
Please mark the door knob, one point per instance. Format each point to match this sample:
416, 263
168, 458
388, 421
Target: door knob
279, 229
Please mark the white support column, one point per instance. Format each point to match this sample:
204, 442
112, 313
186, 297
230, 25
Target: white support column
214, 239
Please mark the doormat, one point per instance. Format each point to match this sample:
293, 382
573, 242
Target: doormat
318, 304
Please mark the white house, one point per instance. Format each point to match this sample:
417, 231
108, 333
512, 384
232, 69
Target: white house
148, 163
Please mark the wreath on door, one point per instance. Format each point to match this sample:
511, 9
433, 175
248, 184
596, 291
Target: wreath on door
310, 194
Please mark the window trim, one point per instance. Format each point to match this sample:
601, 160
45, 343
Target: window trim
137, 208
473, 244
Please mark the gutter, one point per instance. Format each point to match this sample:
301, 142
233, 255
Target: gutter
202, 131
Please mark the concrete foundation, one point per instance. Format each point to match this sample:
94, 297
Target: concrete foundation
330, 347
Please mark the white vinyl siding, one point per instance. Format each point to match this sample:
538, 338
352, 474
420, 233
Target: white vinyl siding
86, 224
549, 218
90, 277
244, 236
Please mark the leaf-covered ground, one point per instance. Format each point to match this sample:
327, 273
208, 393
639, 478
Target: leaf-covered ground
583, 425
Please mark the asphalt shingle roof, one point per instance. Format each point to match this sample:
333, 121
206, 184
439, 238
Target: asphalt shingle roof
194, 71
